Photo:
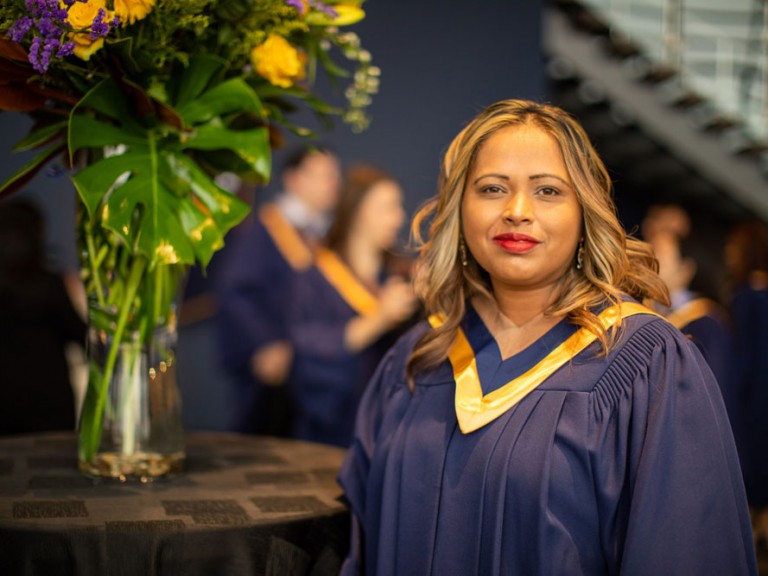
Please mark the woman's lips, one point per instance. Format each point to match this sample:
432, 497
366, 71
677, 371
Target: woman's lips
516, 243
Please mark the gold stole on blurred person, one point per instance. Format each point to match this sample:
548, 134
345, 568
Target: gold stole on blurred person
287, 239
345, 282
474, 410
691, 311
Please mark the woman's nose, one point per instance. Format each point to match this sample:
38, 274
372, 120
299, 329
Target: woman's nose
518, 208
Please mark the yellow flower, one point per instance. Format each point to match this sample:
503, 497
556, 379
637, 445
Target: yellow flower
131, 10
346, 14
81, 15
279, 62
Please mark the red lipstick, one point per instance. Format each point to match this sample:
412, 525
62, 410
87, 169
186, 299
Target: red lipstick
516, 243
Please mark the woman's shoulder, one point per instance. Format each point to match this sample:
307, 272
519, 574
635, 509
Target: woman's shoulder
649, 353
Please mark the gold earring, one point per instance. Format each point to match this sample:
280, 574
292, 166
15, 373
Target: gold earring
580, 255
463, 251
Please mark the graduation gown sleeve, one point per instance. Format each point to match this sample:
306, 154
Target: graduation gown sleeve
669, 491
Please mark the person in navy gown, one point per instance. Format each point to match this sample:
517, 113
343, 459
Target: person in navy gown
704, 320
746, 255
254, 283
349, 306
543, 420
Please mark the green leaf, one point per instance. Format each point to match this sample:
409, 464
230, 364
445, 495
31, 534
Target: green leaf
95, 180
107, 98
197, 76
250, 145
161, 236
206, 237
234, 95
39, 137
225, 209
28, 171
87, 132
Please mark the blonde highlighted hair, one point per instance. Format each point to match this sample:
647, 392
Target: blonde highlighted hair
613, 263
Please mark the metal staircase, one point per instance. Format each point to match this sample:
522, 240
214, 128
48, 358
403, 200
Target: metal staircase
675, 97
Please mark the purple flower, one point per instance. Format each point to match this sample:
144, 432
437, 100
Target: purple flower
20, 28
65, 50
34, 54
298, 4
99, 28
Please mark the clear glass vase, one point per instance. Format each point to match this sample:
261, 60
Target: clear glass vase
131, 421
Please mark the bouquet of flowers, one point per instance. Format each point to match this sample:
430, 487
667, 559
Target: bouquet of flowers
149, 101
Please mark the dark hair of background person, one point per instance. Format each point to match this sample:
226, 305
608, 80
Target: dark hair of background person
750, 239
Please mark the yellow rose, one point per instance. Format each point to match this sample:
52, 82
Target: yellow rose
279, 62
131, 10
81, 15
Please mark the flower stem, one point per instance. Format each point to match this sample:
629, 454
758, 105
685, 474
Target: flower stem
93, 435
94, 266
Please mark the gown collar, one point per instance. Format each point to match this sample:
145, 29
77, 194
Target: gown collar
474, 409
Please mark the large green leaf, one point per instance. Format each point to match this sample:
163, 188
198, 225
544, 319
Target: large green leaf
41, 136
225, 209
87, 132
161, 236
153, 194
252, 146
196, 77
28, 171
231, 96
95, 180
107, 99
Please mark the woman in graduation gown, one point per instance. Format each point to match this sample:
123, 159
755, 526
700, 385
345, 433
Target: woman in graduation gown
349, 307
542, 421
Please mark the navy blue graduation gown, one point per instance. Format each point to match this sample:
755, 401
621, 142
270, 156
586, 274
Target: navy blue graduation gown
253, 294
618, 464
327, 380
749, 312
710, 330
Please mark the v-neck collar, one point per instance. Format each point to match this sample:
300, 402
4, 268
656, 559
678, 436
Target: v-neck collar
493, 370
475, 409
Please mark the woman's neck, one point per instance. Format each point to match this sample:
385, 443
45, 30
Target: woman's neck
516, 319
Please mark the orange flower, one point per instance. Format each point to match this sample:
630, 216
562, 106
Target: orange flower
278, 61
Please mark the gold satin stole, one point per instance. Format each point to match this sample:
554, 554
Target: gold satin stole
345, 282
289, 242
474, 409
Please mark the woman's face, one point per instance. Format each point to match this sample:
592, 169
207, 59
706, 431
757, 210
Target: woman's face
521, 215
381, 215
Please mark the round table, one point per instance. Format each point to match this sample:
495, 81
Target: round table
242, 505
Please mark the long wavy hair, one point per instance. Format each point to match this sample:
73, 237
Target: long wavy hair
613, 263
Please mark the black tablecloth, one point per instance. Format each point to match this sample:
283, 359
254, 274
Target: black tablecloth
243, 505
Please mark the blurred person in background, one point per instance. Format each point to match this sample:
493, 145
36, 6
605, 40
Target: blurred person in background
746, 256
349, 307
254, 285
704, 320
38, 319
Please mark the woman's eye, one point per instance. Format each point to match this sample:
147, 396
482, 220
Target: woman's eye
491, 189
548, 191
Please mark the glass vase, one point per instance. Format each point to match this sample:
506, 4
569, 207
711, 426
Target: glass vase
131, 421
